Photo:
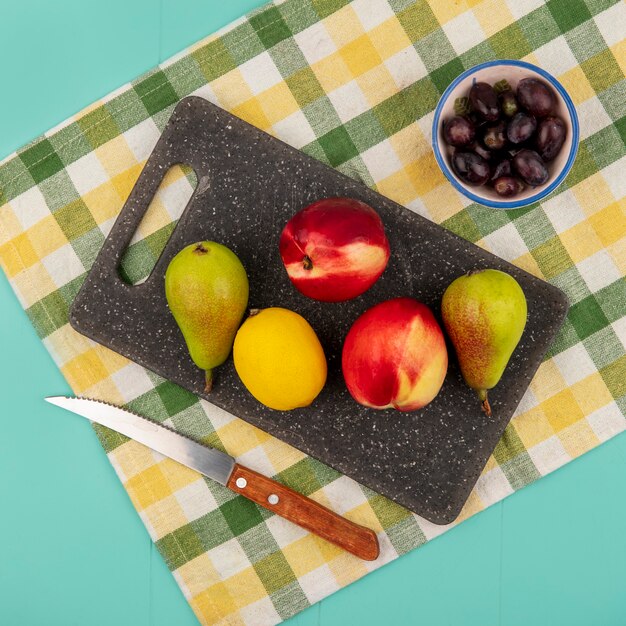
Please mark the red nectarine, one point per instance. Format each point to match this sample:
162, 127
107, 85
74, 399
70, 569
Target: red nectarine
395, 356
334, 249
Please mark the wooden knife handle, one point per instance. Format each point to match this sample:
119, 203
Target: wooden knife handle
304, 512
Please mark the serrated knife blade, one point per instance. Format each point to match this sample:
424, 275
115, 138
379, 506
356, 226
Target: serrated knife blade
221, 467
208, 461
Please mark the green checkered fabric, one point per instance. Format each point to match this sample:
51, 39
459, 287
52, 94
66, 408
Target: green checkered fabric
353, 84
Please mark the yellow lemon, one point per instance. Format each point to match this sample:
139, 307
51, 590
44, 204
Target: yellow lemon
280, 359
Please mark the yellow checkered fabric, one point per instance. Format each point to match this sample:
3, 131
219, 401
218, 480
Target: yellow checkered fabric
353, 84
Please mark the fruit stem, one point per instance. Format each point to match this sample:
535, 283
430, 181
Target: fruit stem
307, 264
486, 407
208, 377
200, 249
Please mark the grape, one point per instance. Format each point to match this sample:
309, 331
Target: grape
480, 150
494, 137
508, 186
470, 168
508, 103
502, 168
458, 131
535, 96
493, 140
521, 127
530, 167
476, 119
550, 137
484, 101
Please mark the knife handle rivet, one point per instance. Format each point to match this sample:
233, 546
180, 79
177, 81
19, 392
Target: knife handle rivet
273, 498
241, 482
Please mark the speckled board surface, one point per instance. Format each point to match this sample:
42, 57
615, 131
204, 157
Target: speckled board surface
249, 185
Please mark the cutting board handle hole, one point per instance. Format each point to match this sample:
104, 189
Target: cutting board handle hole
157, 224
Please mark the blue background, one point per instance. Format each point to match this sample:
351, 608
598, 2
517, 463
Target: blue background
72, 549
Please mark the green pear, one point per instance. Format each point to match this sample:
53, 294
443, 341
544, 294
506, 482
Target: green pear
484, 313
206, 287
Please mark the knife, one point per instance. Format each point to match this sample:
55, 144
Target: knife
217, 465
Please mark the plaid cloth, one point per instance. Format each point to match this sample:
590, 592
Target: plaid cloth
353, 84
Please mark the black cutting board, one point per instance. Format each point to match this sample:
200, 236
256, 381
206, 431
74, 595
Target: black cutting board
249, 185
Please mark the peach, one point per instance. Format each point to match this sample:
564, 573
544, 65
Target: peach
334, 249
395, 356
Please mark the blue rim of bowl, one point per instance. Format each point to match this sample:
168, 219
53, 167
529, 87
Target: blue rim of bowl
497, 204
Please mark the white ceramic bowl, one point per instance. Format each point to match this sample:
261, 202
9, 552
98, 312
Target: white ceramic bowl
513, 71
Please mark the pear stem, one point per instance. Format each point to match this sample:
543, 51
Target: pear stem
208, 377
482, 396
